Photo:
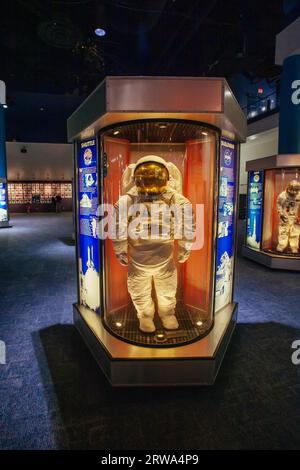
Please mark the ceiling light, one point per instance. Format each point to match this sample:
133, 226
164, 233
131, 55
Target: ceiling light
163, 126
116, 132
253, 113
100, 32
204, 133
199, 323
118, 324
5, 106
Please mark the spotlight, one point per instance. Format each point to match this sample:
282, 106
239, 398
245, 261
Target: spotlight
100, 32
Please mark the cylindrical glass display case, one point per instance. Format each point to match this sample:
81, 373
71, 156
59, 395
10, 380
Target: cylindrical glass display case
157, 280
273, 222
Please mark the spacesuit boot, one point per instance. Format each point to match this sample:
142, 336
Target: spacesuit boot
147, 324
170, 322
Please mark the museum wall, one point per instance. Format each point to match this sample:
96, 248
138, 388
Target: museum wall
37, 172
257, 146
41, 161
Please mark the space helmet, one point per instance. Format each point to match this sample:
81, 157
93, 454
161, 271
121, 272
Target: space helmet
151, 175
293, 187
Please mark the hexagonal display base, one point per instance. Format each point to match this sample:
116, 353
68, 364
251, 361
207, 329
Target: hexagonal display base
126, 364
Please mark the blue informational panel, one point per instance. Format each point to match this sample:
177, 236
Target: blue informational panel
226, 224
255, 204
3, 203
87, 204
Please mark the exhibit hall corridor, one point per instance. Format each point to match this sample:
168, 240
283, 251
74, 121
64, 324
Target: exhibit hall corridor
54, 396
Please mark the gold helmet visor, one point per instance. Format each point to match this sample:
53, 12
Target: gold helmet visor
151, 178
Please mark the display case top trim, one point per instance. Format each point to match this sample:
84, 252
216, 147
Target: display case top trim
119, 99
275, 161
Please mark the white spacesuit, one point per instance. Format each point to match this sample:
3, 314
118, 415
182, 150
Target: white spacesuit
288, 207
150, 255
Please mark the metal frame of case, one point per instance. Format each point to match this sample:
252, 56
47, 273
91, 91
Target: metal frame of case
208, 101
271, 260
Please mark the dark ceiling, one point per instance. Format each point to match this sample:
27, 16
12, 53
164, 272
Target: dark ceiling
50, 46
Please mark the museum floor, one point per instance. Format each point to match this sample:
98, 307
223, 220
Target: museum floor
53, 396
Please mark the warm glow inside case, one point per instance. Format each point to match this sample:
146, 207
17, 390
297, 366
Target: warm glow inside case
190, 153
281, 225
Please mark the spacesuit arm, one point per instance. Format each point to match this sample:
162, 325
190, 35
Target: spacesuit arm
187, 229
120, 239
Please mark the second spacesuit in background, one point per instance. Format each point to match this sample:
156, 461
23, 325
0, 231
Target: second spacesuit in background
288, 207
150, 255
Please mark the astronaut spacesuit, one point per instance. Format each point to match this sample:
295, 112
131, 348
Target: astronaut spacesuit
148, 249
288, 207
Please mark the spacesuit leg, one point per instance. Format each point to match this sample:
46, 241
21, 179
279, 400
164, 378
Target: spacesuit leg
283, 236
139, 284
165, 282
294, 238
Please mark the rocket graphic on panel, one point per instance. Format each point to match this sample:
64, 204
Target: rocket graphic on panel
90, 283
224, 281
251, 239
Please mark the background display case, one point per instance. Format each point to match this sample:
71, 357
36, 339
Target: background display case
195, 126
39, 194
273, 213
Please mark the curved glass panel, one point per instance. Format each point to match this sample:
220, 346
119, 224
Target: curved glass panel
159, 196
281, 225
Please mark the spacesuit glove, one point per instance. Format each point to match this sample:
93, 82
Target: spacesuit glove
183, 256
123, 259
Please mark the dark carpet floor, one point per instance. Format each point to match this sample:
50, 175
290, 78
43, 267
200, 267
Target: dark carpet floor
53, 396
